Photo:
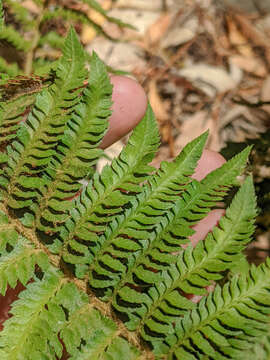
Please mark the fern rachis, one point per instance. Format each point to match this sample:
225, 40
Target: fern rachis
105, 275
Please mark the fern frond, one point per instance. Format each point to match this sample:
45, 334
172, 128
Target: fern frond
34, 46
175, 228
18, 256
77, 151
198, 199
120, 237
43, 66
53, 39
36, 321
11, 115
1, 15
130, 233
54, 309
74, 16
37, 138
13, 37
99, 335
21, 14
226, 322
19, 265
10, 69
108, 193
194, 270
260, 349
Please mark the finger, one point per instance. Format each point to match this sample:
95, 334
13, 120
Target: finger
201, 230
196, 298
209, 161
205, 225
129, 106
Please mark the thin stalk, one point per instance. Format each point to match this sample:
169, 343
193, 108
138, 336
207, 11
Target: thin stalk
28, 65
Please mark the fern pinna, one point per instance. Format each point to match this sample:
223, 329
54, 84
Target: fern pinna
103, 266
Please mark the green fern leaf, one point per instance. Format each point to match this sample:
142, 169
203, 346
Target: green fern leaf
41, 44
77, 150
194, 270
121, 240
175, 228
1, 15
217, 326
30, 330
259, 351
140, 220
50, 307
44, 127
18, 256
11, 115
11, 70
14, 38
115, 185
53, 39
21, 14
74, 17
20, 264
100, 336
42, 67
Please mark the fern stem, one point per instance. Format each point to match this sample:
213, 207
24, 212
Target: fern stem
28, 65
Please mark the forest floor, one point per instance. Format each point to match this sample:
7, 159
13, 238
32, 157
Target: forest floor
205, 64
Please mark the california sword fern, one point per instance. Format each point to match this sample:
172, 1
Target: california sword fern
104, 269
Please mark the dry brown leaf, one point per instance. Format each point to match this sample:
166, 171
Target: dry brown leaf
158, 29
159, 106
177, 36
192, 127
262, 242
238, 39
112, 152
265, 93
253, 34
163, 154
155, 5
212, 79
252, 65
31, 6
241, 122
